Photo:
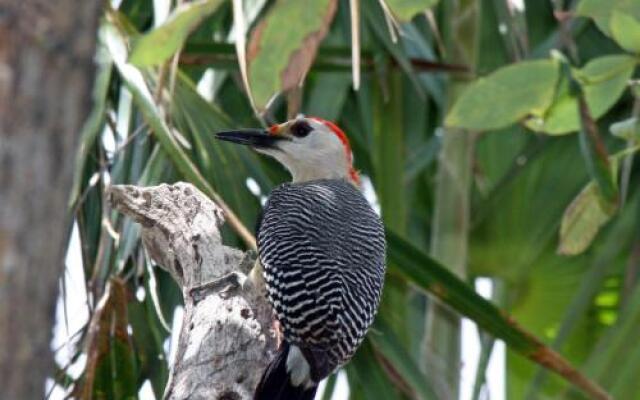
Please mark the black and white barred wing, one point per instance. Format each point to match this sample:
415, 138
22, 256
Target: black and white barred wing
323, 252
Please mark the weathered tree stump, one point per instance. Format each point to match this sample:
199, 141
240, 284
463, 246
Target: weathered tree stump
226, 338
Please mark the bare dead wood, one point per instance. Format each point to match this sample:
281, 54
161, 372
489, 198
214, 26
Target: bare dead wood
226, 338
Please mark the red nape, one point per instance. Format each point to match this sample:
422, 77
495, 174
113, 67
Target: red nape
273, 129
347, 147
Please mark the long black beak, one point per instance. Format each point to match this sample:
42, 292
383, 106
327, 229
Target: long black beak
257, 138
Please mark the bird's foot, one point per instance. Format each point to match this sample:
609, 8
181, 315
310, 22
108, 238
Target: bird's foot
277, 330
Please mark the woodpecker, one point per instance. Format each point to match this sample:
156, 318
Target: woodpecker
322, 251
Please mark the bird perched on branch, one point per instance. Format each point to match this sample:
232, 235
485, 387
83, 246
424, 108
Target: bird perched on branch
322, 250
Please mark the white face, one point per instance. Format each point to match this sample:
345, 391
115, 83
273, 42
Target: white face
312, 151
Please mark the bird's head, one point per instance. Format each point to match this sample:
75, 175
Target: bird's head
309, 147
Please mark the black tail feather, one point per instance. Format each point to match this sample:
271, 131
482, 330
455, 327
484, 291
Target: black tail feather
275, 383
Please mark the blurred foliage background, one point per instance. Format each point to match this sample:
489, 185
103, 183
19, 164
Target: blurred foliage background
498, 137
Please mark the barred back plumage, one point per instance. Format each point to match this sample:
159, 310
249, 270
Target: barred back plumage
322, 248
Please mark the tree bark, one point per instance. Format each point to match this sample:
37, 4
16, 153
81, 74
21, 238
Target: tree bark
226, 339
46, 73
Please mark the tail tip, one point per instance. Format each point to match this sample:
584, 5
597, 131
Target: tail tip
276, 384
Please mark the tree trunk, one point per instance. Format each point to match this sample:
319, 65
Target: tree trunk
227, 335
46, 72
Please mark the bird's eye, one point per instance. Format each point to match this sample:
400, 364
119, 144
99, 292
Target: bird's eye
300, 129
